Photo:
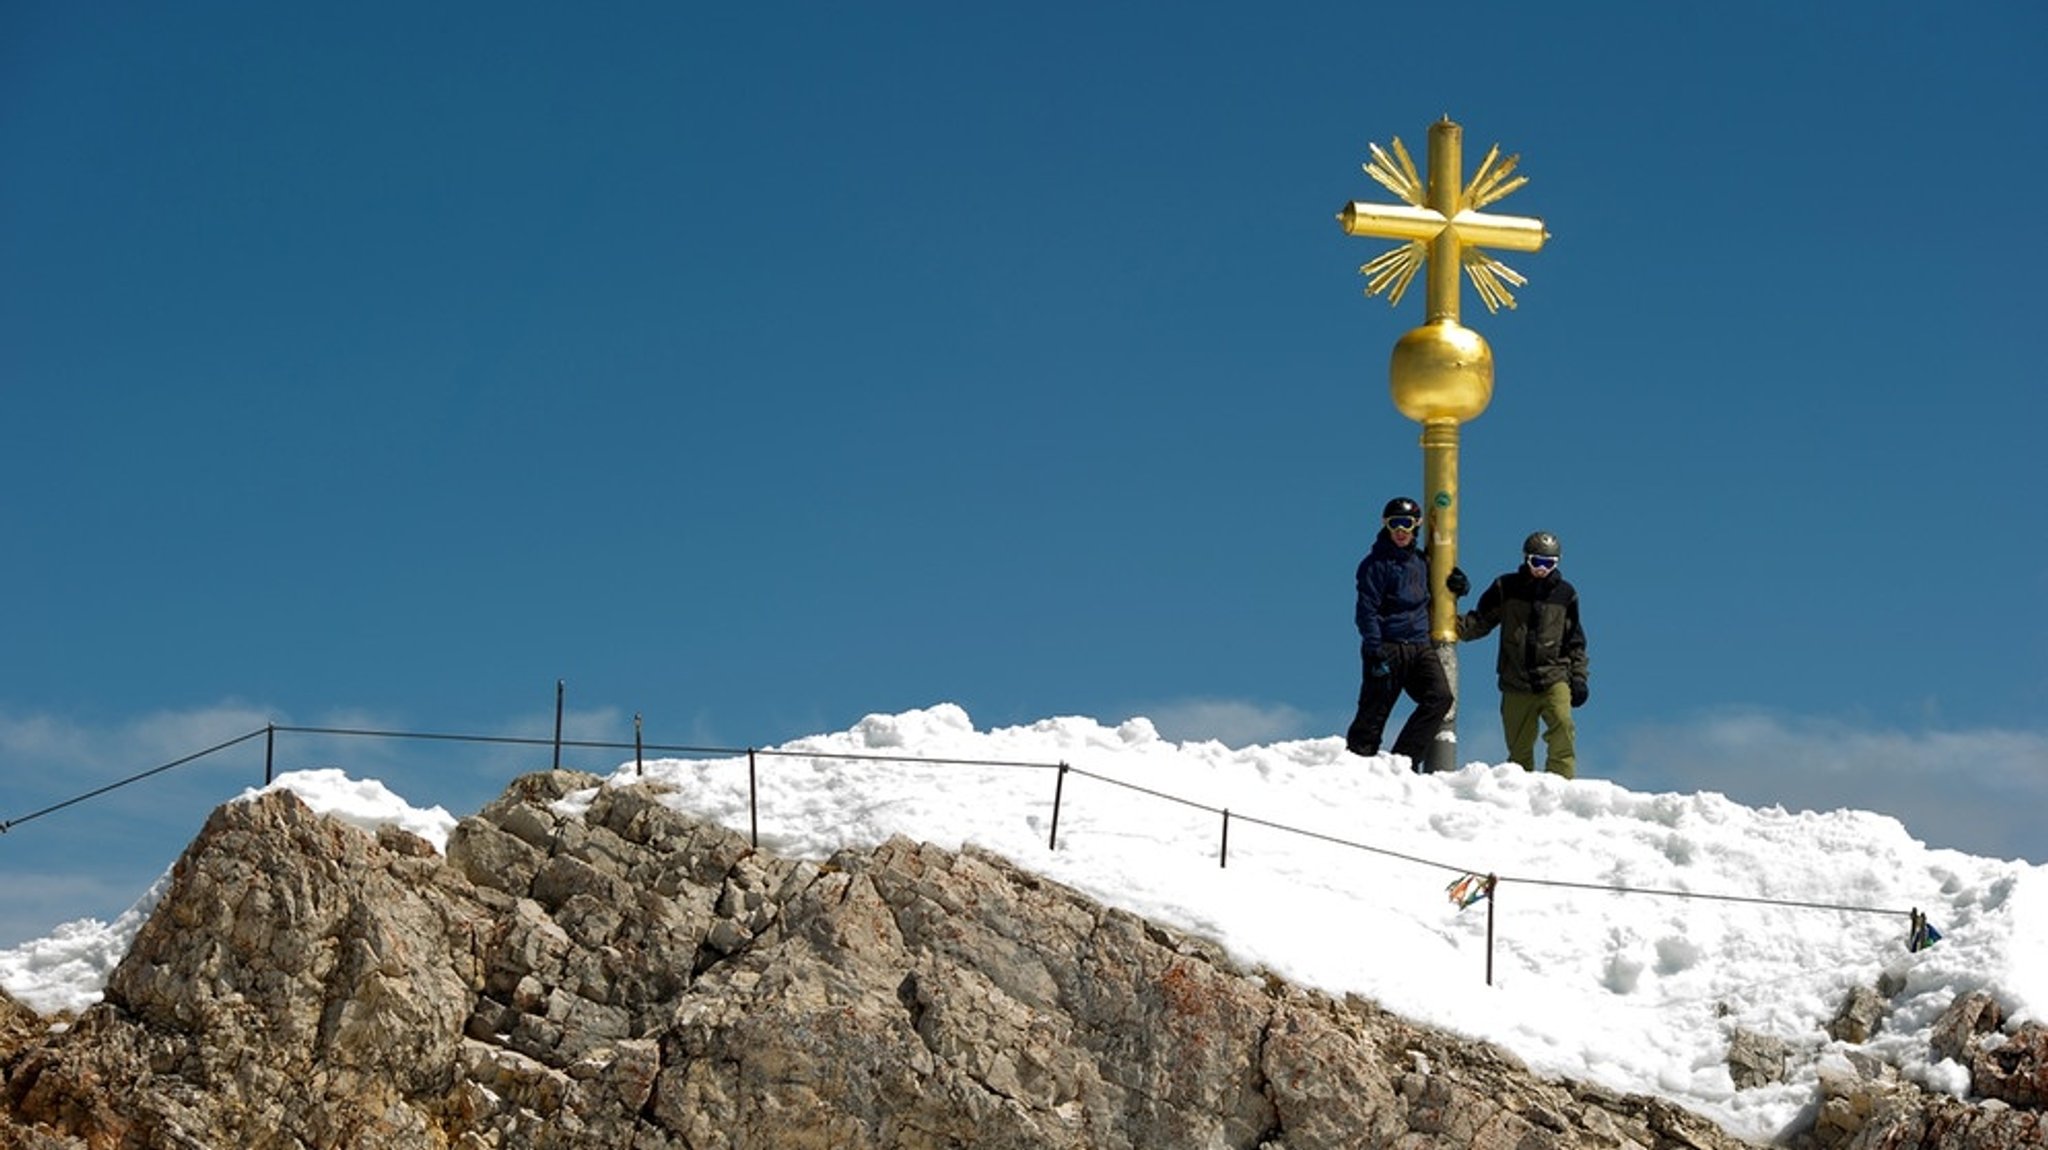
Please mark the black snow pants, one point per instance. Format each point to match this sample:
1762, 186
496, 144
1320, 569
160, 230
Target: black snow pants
1413, 668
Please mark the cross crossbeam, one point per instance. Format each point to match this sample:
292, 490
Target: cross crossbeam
1441, 225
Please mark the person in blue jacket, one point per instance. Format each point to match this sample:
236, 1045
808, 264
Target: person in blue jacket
1394, 642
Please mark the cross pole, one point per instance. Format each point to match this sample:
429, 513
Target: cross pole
1441, 373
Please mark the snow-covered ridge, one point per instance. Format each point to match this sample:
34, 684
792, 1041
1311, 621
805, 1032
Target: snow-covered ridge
1636, 992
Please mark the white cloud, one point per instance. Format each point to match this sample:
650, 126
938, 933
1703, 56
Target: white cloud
1978, 791
1232, 722
58, 742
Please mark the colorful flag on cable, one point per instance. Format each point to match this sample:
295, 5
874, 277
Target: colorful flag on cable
1470, 889
1923, 934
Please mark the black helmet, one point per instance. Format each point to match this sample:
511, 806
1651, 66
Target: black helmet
1542, 543
1401, 506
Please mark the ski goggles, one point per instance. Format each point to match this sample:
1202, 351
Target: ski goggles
1402, 523
1541, 562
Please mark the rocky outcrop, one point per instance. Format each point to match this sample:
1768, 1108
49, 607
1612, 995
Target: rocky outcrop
1862, 1110
1756, 1059
2011, 1068
634, 977
1865, 1105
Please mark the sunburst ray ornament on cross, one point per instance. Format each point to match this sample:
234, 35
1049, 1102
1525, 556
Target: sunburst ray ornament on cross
1424, 221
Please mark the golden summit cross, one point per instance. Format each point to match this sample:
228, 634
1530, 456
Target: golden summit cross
1441, 373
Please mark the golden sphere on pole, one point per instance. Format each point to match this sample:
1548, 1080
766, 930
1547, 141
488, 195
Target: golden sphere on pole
1441, 370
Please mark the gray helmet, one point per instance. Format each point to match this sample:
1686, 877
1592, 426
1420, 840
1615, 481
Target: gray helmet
1542, 543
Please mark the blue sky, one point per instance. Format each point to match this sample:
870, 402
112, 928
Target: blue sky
756, 369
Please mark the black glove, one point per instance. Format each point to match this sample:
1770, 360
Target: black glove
1578, 692
1378, 669
1456, 583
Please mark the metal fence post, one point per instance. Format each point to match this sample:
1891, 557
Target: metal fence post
753, 804
1052, 841
558, 724
1492, 897
1223, 856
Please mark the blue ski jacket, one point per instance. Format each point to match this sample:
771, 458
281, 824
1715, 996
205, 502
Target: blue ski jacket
1393, 595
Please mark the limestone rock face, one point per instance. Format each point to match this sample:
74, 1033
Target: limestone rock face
632, 977
1755, 1059
1867, 1106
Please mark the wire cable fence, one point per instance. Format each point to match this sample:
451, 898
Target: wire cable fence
1470, 886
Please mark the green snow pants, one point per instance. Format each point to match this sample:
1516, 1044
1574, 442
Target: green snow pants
1520, 712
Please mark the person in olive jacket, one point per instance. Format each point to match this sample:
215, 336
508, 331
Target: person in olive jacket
1392, 614
1542, 661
